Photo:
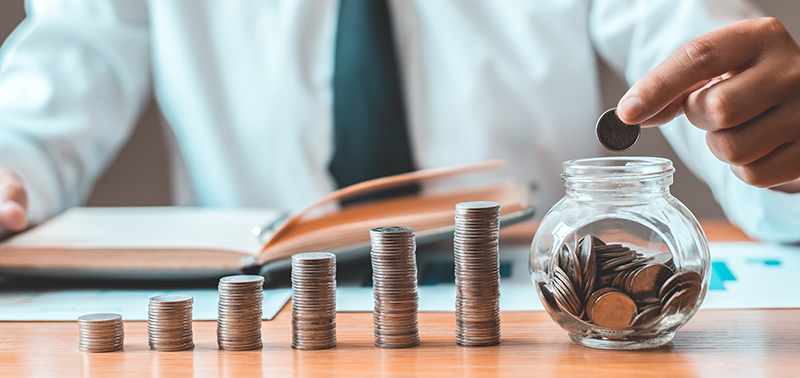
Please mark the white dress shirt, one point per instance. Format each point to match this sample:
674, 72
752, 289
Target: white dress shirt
246, 88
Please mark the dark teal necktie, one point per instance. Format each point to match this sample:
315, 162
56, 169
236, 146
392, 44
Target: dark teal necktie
368, 112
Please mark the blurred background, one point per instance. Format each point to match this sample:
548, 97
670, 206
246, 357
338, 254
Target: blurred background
140, 175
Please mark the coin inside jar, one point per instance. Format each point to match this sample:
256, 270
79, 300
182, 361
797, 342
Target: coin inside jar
649, 286
615, 135
613, 310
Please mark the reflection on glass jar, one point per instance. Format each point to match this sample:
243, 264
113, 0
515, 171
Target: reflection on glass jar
619, 263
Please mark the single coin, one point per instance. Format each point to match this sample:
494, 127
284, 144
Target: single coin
589, 282
321, 256
478, 205
548, 299
593, 299
569, 264
646, 283
613, 310
393, 230
645, 316
676, 279
585, 253
100, 317
171, 298
242, 279
676, 301
615, 135
664, 258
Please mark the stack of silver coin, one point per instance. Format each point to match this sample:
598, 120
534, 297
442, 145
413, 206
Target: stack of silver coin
169, 323
477, 271
394, 285
314, 300
100, 332
239, 320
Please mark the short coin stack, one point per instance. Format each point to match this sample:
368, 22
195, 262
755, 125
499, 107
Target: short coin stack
100, 332
477, 270
239, 320
394, 286
314, 300
614, 287
169, 323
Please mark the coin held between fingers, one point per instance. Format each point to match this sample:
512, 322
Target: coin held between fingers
615, 135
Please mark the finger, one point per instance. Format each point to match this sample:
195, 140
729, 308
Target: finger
13, 202
758, 137
675, 108
700, 59
13, 216
771, 170
735, 100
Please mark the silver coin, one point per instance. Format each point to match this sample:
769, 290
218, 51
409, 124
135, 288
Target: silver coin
313, 300
169, 323
100, 318
394, 276
101, 332
239, 312
477, 273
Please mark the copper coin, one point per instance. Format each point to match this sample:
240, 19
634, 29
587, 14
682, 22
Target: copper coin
613, 310
646, 283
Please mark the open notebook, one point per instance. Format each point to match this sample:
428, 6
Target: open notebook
191, 243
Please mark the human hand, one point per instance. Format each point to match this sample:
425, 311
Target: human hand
741, 83
13, 202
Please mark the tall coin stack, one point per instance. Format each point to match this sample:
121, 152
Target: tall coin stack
239, 320
100, 332
477, 270
169, 323
394, 285
314, 300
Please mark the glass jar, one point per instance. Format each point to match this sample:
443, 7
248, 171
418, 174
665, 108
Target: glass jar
619, 263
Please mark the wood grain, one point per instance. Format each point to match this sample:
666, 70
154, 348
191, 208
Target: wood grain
714, 343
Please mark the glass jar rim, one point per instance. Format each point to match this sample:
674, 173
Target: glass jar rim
617, 168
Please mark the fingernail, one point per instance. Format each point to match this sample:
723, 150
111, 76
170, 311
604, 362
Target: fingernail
630, 109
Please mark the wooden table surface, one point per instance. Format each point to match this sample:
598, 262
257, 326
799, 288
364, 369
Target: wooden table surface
714, 343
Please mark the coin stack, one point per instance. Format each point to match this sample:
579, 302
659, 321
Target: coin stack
614, 287
100, 332
239, 320
169, 323
314, 300
477, 270
394, 285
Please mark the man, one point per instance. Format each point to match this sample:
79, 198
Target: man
252, 91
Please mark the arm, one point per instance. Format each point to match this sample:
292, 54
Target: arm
74, 77
641, 43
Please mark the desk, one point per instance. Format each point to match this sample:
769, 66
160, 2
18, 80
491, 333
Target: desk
714, 343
